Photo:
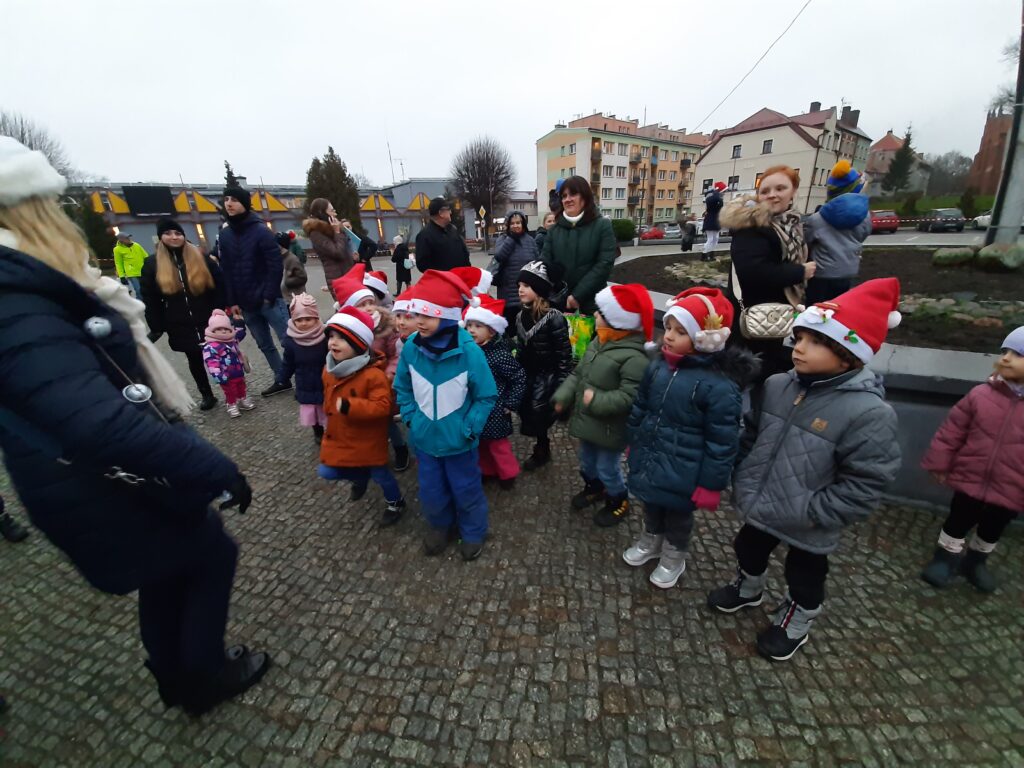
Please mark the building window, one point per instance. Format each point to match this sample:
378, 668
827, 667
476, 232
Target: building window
687, 195
620, 172
606, 193
609, 147
671, 194
671, 175
620, 193
572, 149
606, 171
661, 194
706, 186
661, 175
563, 150
757, 180
664, 154
766, 148
620, 212
675, 153
734, 183
623, 149
561, 173
645, 151
737, 150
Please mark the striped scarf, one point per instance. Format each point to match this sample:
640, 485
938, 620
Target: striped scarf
789, 227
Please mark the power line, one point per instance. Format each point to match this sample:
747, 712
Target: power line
767, 51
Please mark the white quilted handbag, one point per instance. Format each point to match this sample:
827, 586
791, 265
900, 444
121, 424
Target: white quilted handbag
771, 320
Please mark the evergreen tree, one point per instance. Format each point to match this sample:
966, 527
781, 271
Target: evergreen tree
897, 178
329, 177
230, 180
98, 233
967, 204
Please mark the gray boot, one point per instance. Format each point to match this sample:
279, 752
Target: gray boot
647, 547
670, 567
791, 627
746, 591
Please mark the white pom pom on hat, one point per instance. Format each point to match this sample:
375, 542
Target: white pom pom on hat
895, 318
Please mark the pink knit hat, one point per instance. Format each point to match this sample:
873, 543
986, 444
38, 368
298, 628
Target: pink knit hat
303, 305
220, 328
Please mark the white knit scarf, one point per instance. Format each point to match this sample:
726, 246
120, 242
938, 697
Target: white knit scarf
168, 387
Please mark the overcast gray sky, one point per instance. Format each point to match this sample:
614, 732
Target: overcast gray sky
143, 91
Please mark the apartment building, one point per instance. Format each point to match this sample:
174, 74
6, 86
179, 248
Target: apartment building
637, 172
811, 142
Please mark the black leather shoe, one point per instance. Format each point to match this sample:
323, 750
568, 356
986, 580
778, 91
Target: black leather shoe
276, 388
238, 675
208, 403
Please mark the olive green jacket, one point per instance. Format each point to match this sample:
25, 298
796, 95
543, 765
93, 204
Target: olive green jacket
613, 371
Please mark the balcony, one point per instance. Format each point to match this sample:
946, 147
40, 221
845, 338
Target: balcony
654, 158
635, 158
595, 178
634, 200
595, 152
634, 180
685, 163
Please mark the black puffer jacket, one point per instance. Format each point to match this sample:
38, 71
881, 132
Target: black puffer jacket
545, 354
182, 316
511, 255
60, 397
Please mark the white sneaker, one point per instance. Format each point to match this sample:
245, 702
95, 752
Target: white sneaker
647, 547
670, 567
246, 404
233, 410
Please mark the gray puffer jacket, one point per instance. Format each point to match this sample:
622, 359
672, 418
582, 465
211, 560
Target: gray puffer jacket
817, 458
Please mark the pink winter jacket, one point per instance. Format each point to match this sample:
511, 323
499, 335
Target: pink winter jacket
981, 446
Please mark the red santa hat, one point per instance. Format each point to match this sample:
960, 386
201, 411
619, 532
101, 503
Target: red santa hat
440, 294
706, 315
720, 186
478, 280
355, 326
402, 301
376, 280
491, 313
859, 319
628, 308
349, 292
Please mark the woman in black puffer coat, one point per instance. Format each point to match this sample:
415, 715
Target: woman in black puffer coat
542, 343
109, 475
181, 288
515, 249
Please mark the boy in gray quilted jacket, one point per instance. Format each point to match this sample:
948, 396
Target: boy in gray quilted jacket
814, 459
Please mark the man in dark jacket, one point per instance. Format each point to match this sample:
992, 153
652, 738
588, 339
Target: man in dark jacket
713, 203
439, 245
253, 269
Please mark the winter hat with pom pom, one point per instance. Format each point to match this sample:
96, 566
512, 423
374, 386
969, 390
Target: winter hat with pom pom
478, 280
491, 313
706, 314
25, 173
858, 319
440, 294
844, 178
628, 308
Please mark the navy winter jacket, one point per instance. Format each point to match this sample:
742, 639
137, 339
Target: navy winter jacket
510, 256
251, 262
510, 378
307, 364
60, 398
685, 425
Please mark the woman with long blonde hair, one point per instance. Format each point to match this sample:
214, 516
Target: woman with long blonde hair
86, 405
181, 288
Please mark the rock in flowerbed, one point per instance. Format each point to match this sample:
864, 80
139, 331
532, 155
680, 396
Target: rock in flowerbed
1001, 257
952, 257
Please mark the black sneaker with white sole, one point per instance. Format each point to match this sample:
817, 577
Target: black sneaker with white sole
745, 591
276, 388
790, 629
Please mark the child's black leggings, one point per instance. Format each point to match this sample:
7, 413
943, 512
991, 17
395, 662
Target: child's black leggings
966, 512
805, 571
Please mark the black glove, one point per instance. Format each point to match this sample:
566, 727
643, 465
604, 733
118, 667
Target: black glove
154, 336
241, 495
124, 280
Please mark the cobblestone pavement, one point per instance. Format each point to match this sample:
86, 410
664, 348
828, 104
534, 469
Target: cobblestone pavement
548, 650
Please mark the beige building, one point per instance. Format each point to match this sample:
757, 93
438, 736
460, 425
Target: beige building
811, 143
643, 173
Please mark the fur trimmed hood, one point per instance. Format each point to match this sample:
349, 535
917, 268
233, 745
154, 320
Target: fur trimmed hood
745, 213
309, 226
737, 364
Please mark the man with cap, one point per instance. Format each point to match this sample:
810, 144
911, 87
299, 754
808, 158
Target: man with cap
128, 260
253, 269
439, 245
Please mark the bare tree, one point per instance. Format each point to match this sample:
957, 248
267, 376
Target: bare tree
483, 175
362, 180
1003, 100
949, 173
1011, 52
36, 137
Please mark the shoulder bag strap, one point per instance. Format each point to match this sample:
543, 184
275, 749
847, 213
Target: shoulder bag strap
736, 290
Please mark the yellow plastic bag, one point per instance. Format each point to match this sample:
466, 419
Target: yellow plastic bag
581, 331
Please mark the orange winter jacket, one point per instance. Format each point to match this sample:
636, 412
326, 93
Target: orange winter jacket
358, 438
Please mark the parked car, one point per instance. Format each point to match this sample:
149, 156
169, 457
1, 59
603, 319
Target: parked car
984, 221
941, 219
672, 230
884, 221
654, 233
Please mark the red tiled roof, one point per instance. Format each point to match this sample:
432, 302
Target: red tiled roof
814, 119
887, 143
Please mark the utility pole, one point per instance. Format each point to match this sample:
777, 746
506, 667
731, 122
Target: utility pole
1008, 211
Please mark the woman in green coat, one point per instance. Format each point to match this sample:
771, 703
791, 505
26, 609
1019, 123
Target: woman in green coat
581, 241
600, 394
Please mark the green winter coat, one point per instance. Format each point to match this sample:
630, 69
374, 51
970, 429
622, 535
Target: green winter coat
587, 251
613, 370
128, 260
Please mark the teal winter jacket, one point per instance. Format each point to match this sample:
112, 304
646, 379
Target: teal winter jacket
445, 400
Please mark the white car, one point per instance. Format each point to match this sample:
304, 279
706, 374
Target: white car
983, 221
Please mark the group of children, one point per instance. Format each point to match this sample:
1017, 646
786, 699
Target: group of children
814, 458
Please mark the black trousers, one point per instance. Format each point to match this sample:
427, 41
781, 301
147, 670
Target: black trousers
674, 523
825, 289
966, 513
197, 368
183, 615
805, 571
